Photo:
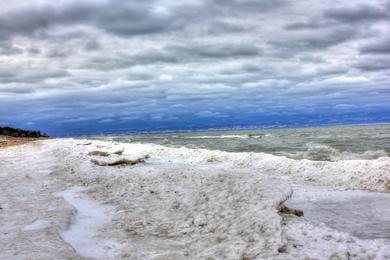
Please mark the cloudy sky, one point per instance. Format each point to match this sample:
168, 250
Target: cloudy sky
76, 67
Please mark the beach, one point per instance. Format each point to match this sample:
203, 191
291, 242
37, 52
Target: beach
57, 201
195, 130
6, 141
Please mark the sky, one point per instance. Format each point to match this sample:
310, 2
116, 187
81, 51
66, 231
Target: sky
72, 67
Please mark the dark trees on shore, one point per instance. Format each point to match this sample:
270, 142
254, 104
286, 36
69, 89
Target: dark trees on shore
16, 132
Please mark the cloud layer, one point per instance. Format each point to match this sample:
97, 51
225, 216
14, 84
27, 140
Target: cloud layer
109, 65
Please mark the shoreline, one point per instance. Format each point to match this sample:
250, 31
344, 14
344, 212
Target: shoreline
216, 130
177, 203
8, 141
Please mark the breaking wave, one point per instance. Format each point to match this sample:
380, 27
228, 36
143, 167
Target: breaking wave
321, 152
317, 144
226, 136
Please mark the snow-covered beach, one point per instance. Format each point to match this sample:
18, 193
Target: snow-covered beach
58, 203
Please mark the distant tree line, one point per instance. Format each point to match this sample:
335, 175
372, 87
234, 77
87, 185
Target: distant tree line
16, 132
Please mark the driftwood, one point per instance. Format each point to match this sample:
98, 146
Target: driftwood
99, 153
287, 210
122, 161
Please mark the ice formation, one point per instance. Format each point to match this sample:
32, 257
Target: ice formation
181, 204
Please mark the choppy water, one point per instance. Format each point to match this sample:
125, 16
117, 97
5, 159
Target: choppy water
322, 143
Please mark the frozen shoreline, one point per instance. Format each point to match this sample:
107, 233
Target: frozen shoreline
89, 219
180, 204
363, 214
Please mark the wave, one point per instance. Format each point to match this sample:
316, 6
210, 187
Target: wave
217, 136
228, 136
373, 174
314, 151
345, 174
321, 152
259, 143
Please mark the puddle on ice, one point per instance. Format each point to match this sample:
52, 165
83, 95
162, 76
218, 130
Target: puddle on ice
363, 214
90, 218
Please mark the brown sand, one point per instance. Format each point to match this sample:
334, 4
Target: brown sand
6, 141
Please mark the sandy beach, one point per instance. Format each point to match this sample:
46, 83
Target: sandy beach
6, 141
152, 202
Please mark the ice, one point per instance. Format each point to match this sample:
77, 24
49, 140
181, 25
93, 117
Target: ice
83, 233
315, 241
363, 214
37, 224
191, 204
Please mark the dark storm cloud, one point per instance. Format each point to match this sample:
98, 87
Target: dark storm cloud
374, 64
359, 13
23, 75
212, 10
59, 53
117, 17
245, 5
224, 50
312, 24
33, 51
127, 19
173, 54
92, 45
222, 16
120, 61
31, 18
318, 40
7, 48
220, 27
378, 47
